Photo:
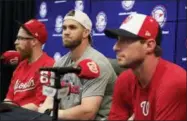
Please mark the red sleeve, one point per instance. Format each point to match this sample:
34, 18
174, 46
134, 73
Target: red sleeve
43, 78
171, 100
121, 108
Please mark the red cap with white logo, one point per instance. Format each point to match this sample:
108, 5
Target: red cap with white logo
136, 26
37, 29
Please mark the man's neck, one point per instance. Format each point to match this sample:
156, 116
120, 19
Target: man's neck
77, 52
36, 54
145, 71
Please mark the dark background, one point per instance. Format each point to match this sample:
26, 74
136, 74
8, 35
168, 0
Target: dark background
11, 10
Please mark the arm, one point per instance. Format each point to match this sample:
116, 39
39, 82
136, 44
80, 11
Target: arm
48, 104
30, 106
10, 94
85, 111
121, 108
171, 101
40, 98
92, 96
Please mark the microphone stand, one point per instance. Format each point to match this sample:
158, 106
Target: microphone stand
56, 101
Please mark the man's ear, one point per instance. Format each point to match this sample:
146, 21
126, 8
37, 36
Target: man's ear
34, 42
150, 45
86, 33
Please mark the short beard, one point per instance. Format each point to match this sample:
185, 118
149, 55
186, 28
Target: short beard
72, 45
24, 54
133, 64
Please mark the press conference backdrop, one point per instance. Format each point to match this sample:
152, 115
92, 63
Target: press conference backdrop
171, 15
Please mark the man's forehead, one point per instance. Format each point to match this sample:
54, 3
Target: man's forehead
126, 38
22, 32
70, 22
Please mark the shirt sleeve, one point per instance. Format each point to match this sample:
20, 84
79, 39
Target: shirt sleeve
96, 87
171, 101
121, 108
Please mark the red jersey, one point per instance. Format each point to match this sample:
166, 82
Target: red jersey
26, 83
163, 99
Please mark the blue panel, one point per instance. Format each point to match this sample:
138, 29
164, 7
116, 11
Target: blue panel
181, 52
182, 10
110, 14
103, 43
168, 41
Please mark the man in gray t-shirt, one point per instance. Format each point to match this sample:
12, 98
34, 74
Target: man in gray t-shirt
96, 95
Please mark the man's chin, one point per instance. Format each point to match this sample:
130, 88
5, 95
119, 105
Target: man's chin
68, 46
124, 66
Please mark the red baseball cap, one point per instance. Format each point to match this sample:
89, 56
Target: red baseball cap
36, 28
136, 26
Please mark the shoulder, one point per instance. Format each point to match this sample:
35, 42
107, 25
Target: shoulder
48, 60
63, 59
174, 74
98, 57
174, 78
126, 79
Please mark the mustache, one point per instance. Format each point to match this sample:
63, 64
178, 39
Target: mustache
17, 48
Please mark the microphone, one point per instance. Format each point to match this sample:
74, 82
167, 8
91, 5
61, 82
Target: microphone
86, 69
11, 57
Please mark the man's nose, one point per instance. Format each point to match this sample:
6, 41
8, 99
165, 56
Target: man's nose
16, 42
116, 47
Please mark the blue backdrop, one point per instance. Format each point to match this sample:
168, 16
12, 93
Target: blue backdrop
171, 15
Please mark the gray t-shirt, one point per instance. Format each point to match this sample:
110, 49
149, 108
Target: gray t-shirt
101, 86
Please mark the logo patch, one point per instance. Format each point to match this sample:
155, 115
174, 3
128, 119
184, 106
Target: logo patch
58, 24
93, 67
22, 87
145, 107
101, 21
160, 14
43, 10
79, 5
127, 5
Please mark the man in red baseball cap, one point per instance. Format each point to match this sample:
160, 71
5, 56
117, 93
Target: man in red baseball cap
152, 88
26, 84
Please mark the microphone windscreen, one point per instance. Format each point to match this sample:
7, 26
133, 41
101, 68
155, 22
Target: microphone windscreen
89, 69
11, 57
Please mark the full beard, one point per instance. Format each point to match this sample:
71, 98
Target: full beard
25, 53
72, 44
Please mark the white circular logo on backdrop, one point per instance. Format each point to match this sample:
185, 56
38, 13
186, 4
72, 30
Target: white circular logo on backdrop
58, 25
79, 5
57, 56
101, 21
43, 9
160, 14
127, 4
